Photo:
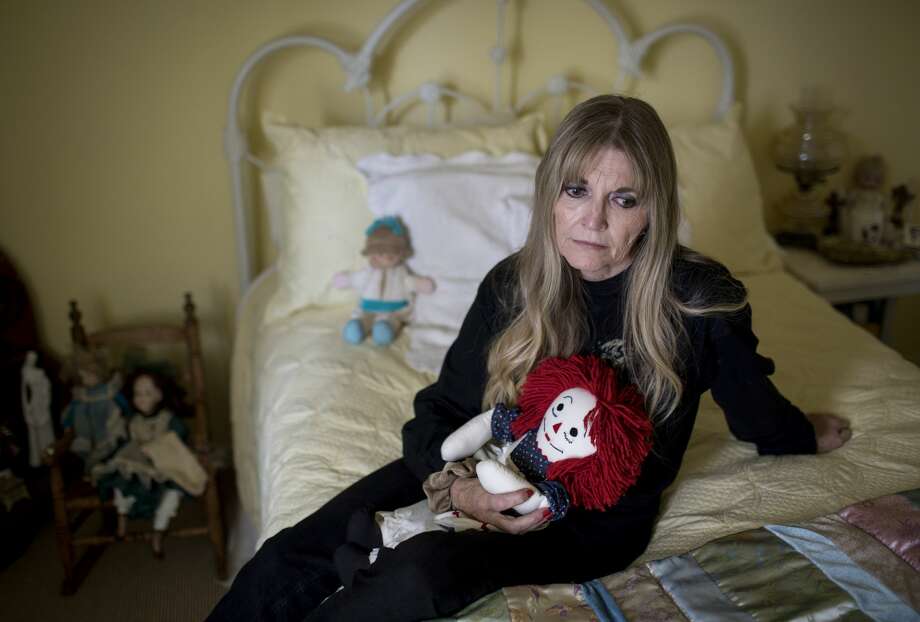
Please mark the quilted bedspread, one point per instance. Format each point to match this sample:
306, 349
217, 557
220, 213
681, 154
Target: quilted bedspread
862, 563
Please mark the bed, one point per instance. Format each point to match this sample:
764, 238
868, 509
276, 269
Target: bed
739, 534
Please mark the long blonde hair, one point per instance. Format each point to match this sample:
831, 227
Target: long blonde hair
547, 301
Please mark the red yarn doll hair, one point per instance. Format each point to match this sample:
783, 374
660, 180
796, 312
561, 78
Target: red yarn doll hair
618, 426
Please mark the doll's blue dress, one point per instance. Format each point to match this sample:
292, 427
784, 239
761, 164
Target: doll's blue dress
96, 415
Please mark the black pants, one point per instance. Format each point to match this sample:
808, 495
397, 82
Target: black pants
430, 575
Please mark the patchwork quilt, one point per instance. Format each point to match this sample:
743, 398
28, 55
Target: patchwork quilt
861, 563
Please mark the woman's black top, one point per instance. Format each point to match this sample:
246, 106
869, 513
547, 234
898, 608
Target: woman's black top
719, 354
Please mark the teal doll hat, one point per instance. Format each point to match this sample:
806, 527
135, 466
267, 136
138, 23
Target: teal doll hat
387, 235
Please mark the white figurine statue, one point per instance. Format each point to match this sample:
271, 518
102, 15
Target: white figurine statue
36, 408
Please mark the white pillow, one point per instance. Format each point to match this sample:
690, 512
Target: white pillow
320, 199
464, 215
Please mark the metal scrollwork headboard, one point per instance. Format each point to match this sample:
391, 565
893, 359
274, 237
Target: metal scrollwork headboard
358, 69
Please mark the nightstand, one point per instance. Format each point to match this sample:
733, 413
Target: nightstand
844, 286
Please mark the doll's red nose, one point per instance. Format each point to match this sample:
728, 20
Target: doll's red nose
556, 427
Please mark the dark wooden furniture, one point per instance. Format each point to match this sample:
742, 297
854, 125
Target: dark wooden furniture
75, 501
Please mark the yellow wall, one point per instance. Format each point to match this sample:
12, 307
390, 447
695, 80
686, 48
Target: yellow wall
113, 186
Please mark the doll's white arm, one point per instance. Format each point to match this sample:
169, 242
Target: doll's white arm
498, 479
419, 284
423, 285
341, 280
469, 437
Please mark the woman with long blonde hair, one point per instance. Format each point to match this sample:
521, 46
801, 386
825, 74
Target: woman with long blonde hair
601, 273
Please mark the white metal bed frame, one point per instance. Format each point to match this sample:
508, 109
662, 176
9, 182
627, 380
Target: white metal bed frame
358, 69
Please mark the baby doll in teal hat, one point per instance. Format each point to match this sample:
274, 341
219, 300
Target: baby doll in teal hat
386, 287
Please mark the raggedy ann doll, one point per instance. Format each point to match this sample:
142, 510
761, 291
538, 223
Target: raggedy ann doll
577, 437
151, 471
95, 412
386, 286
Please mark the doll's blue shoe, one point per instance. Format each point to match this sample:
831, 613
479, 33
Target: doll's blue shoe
383, 333
353, 332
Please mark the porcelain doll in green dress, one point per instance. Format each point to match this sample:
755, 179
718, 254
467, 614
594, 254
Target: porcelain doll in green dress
153, 469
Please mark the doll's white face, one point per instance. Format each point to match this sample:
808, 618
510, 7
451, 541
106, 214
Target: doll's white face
146, 395
563, 433
384, 260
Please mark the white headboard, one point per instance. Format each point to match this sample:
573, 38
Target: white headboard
358, 70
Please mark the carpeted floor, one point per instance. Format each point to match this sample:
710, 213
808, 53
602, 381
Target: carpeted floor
125, 583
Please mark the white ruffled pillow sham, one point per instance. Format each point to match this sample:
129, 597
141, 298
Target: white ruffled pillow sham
464, 215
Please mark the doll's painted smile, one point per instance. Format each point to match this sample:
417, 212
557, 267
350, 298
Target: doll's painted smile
548, 440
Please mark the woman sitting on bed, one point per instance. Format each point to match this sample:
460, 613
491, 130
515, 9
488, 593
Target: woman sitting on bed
601, 272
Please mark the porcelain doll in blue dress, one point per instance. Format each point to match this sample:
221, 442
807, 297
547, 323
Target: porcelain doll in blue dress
95, 412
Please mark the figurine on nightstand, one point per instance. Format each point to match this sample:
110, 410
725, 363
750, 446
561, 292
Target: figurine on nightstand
95, 412
866, 205
385, 287
151, 471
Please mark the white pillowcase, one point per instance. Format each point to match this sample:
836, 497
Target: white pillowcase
464, 215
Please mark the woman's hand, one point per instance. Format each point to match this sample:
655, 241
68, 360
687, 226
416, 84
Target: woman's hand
468, 496
831, 431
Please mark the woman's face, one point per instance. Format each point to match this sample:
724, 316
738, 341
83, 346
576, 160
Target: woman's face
598, 218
